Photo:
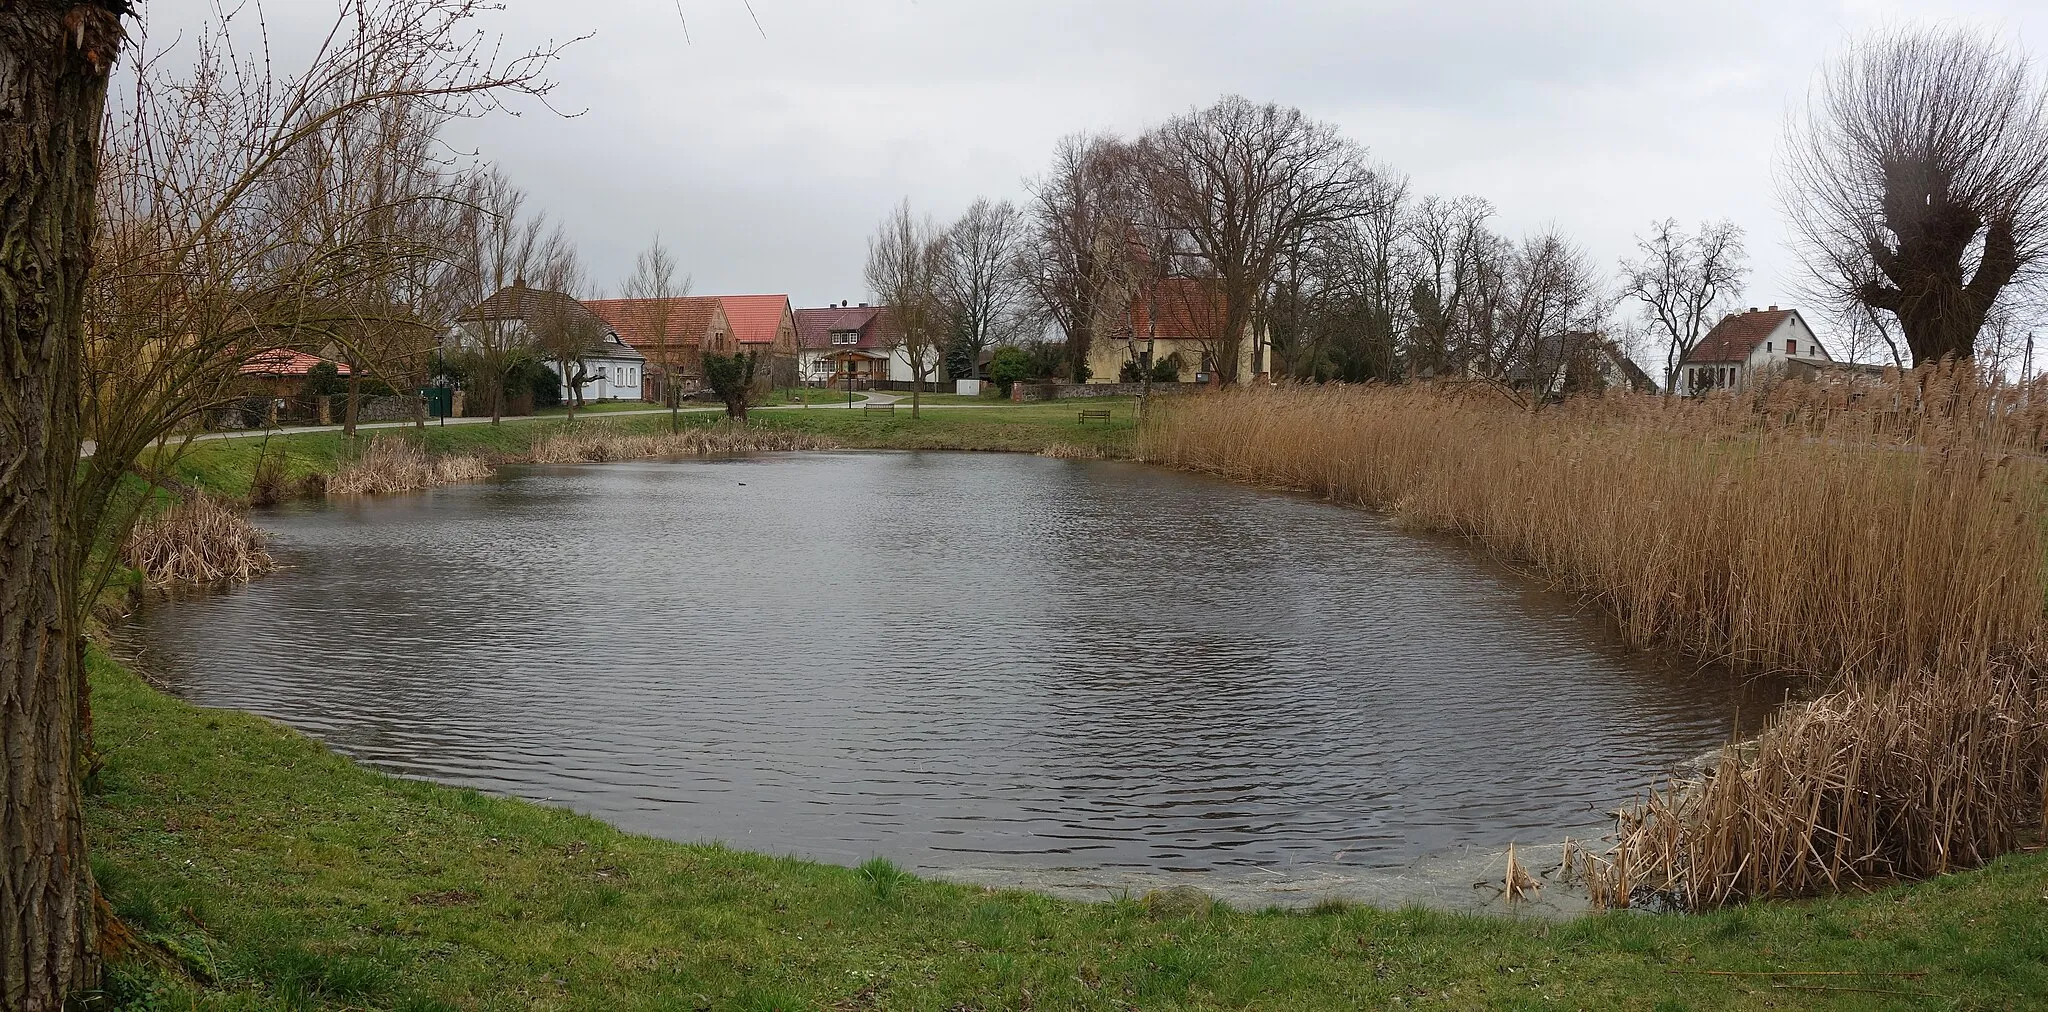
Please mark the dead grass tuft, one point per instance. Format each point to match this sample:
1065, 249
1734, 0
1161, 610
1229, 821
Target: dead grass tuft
596, 444
1073, 451
1909, 779
391, 465
197, 542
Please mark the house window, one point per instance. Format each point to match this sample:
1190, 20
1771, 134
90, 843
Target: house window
1767, 346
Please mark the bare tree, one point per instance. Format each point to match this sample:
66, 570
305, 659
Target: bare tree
1079, 218
563, 330
1547, 317
1684, 282
1343, 295
505, 247
1244, 183
903, 270
981, 284
657, 284
369, 213
1449, 238
1917, 182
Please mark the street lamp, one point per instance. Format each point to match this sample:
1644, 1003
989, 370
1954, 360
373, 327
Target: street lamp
849, 384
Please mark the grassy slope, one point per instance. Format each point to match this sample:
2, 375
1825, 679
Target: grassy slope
224, 466
306, 881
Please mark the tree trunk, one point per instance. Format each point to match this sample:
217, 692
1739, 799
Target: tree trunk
54, 58
349, 406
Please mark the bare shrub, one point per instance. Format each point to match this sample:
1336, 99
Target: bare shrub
597, 444
395, 465
197, 542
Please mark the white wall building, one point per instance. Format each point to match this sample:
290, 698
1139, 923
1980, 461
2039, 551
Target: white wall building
1746, 348
613, 369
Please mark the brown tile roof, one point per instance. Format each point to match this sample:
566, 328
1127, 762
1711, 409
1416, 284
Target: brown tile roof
641, 322
284, 362
1188, 309
814, 327
1736, 336
755, 319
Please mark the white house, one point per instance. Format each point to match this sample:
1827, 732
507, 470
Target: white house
1745, 348
611, 368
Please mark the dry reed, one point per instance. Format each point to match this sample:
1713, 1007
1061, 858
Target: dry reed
200, 541
1767, 534
1884, 537
1073, 451
600, 443
395, 465
1908, 779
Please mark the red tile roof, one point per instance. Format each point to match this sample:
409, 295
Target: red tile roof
1736, 336
1188, 309
755, 319
654, 324
815, 327
284, 362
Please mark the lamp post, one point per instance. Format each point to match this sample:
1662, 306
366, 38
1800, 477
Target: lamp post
849, 384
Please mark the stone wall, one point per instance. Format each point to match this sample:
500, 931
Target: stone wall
1035, 391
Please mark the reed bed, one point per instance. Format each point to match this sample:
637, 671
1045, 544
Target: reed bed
1073, 451
600, 443
1883, 537
390, 465
1906, 779
1763, 534
200, 541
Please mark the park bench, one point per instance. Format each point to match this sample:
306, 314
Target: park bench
1094, 415
884, 409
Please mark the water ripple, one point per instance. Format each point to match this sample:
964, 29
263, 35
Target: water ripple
954, 660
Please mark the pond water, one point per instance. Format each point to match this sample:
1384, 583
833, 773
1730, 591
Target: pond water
1080, 676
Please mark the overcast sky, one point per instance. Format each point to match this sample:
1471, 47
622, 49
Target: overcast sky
764, 157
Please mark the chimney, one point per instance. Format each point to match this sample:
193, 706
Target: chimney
863, 305
1774, 309
519, 282
843, 303
1752, 309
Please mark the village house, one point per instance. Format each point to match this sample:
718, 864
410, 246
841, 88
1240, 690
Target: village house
281, 373
1748, 348
842, 341
765, 325
674, 334
612, 369
1174, 326
1579, 362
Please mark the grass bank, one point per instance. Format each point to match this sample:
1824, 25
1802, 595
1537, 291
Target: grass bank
296, 879
228, 467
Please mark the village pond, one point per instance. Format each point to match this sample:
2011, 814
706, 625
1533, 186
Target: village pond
1088, 677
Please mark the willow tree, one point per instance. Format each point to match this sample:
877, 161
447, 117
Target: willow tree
55, 56
1917, 182
134, 282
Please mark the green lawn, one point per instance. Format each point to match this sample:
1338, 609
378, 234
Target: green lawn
225, 466
295, 879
